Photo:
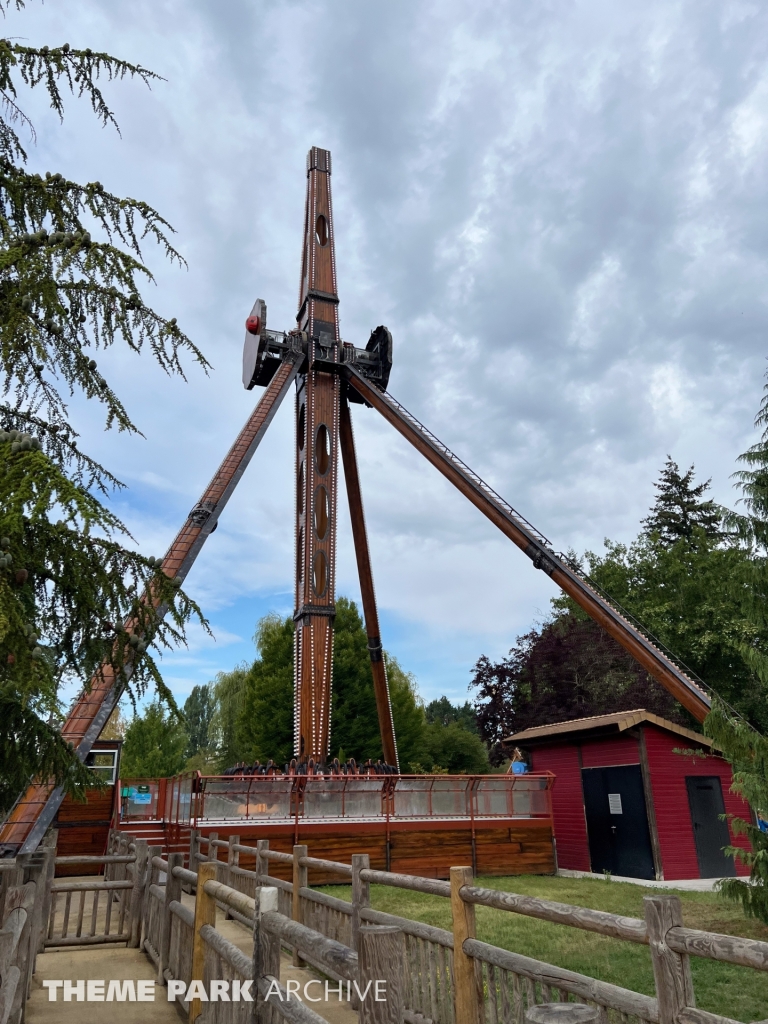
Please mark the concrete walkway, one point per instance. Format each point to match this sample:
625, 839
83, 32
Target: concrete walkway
116, 962
688, 884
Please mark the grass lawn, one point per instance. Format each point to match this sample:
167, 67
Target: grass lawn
735, 992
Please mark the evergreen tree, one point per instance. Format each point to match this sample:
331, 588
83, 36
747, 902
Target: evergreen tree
692, 596
199, 709
678, 508
747, 752
753, 484
154, 744
265, 727
442, 712
71, 269
265, 724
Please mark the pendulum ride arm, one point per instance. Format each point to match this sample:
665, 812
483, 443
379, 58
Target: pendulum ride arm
378, 666
655, 661
317, 429
36, 808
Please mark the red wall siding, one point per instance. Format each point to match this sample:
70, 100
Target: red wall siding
567, 804
610, 751
670, 797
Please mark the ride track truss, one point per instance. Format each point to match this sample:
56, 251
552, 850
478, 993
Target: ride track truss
330, 374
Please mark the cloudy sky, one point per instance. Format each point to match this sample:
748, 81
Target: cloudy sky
559, 209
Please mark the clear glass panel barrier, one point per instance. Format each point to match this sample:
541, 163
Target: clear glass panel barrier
355, 797
347, 797
270, 798
427, 796
519, 796
246, 797
185, 801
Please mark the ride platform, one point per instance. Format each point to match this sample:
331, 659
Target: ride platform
412, 824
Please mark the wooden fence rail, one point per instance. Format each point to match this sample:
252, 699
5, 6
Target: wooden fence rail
450, 977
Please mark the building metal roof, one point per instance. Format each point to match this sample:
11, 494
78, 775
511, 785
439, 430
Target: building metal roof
619, 721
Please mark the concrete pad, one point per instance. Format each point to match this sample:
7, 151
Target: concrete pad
96, 962
688, 884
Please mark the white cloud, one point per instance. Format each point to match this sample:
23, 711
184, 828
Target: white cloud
560, 211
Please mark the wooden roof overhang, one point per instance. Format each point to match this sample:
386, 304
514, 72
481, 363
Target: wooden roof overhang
597, 726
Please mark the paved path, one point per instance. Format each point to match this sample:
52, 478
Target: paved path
116, 962
689, 884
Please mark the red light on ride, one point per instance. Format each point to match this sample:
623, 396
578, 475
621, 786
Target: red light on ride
253, 325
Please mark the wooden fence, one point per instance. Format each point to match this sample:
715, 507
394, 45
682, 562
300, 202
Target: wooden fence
454, 978
99, 909
434, 976
24, 890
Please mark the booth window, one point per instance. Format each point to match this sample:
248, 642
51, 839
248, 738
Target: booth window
104, 763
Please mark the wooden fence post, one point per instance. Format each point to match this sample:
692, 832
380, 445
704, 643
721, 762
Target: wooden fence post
671, 971
149, 878
300, 877
205, 913
213, 851
137, 893
262, 861
172, 892
361, 897
50, 843
233, 860
266, 950
361, 894
17, 970
35, 865
382, 956
466, 990
111, 840
193, 847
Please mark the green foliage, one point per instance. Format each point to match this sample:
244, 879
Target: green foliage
752, 526
407, 713
691, 595
71, 269
26, 739
354, 720
256, 704
199, 709
678, 509
747, 752
265, 724
154, 744
455, 749
443, 712
229, 694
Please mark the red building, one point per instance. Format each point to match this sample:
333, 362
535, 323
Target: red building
627, 801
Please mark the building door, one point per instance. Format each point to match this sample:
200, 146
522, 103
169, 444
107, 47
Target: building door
617, 821
705, 797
